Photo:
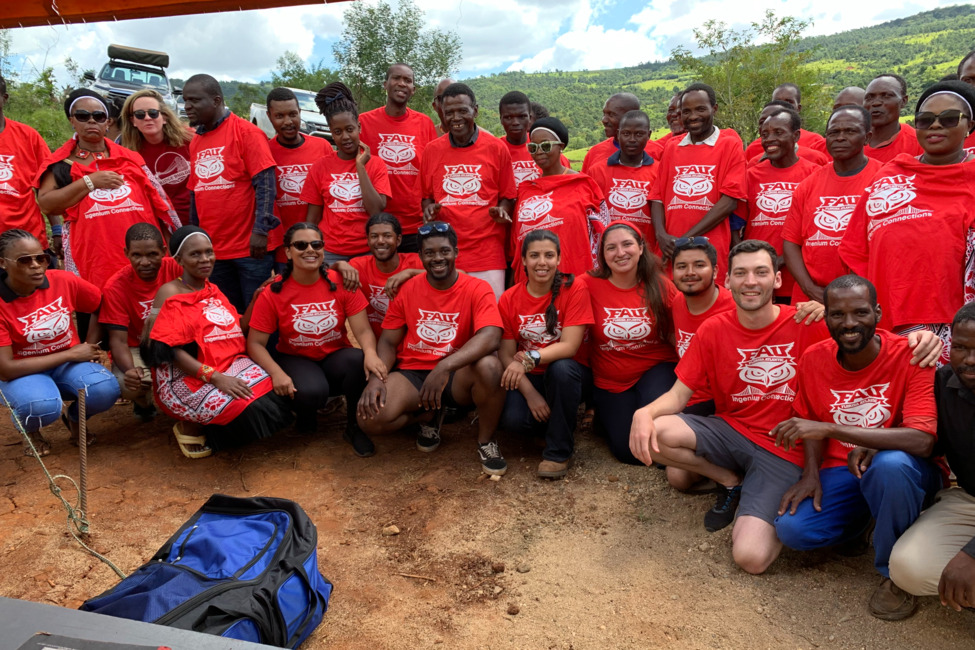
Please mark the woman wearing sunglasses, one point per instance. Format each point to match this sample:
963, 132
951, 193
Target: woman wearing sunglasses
561, 200
632, 342
201, 374
911, 228
42, 359
101, 189
152, 129
313, 360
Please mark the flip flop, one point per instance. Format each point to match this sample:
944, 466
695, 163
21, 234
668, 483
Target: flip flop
74, 439
183, 440
42, 446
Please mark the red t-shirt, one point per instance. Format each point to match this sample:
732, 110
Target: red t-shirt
908, 235
571, 206
22, 150
769, 199
888, 393
467, 181
523, 316
372, 285
399, 142
625, 341
600, 153
309, 318
41, 323
171, 167
804, 153
807, 140
293, 165
903, 142
693, 178
627, 192
128, 298
759, 395
439, 322
224, 162
333, 183
686, 325
820, 213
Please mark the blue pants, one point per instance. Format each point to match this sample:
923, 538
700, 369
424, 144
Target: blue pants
614, 411
893, 490
239, 278
37, 399
562, 385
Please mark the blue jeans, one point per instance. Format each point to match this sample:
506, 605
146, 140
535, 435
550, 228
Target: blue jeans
562, 386
614, 411
239, 278
893, 490
37, 399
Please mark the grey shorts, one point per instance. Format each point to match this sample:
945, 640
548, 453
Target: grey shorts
766, 476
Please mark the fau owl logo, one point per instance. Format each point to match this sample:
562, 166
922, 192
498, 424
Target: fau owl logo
890, 193
683, 341
775, 197
531, 328
291, 178
315, 318
209, 163
532, 209
861, 407
462, 180
216, 313
437, 327
768, 365
833, 212
628, 194
525, 170
627, 324
345, 187
6, 168
396, 149
47, 323
694, 180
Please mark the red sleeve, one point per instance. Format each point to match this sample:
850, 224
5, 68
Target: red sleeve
427, 165
507, 188
801, 405
41, 150
354, 301
853, 247
5, 340
507, 315
311, 193
485, 307
254, 149
172, 327
87, 297
376, 169
920, 410
578, 306
396, 313
431, 130
792, 229
691, 369
264, 316
359, 263
659, 188
113, 311
733, 180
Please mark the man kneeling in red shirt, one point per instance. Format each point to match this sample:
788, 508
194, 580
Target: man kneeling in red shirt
439, 336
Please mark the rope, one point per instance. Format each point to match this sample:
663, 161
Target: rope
77, 519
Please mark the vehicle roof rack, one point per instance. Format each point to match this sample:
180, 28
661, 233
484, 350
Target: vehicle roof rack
136, 55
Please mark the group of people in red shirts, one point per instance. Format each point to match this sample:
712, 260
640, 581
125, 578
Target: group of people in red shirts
762, 321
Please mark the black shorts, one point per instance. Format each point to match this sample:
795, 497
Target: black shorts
766, 476
417, 377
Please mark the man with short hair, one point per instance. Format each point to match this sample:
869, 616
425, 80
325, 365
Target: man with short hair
399, 135
467, 181
231, 190
438, 105
849, 95
446, 327
613, 111
701, 180
673, 121
867, 418
822, 204
885, 98
627, 177
936, 556
758, 155
293, 154
790, 94
126, 301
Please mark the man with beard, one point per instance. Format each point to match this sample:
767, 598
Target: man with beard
439, 337
868, 422
398, 135
613, 111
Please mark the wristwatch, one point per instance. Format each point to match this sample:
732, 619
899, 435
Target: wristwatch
535, 356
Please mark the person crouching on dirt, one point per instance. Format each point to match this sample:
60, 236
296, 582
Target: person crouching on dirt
546, 367
125, 306
312, 361
42, 359
195, 347
446, 327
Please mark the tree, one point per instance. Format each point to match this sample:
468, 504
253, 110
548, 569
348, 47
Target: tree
246, 94
292, 73
744, 67
375, 36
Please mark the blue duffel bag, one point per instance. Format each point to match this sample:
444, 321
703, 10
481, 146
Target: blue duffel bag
243, 569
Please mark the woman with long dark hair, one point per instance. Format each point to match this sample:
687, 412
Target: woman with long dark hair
308, 307
546, 371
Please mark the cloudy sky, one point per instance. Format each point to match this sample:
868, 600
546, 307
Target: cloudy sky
497, 35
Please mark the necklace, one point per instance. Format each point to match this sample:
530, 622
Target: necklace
963, 155
83, 154
187, 284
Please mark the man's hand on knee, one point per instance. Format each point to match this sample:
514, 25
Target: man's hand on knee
957, 585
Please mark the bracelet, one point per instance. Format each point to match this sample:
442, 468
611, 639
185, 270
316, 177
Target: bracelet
87, 179
205, 373
56, 230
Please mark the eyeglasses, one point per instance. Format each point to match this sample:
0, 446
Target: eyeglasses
428, 228
301, 245
948, 119
41, 259
86, 116
544, 147
681, 242
141, 115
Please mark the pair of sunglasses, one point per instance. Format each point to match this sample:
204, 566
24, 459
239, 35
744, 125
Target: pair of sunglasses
141, 115
544, 147
40, 259
680, 242
428, 228
86, 116
316, 245
948, 119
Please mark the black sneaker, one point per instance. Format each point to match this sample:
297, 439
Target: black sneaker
723, 512
361, 444
491, 460
428, 439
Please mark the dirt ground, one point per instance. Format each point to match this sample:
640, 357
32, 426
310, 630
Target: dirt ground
611, 557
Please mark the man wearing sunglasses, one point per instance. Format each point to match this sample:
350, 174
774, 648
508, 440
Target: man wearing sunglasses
232, 186
446, 327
